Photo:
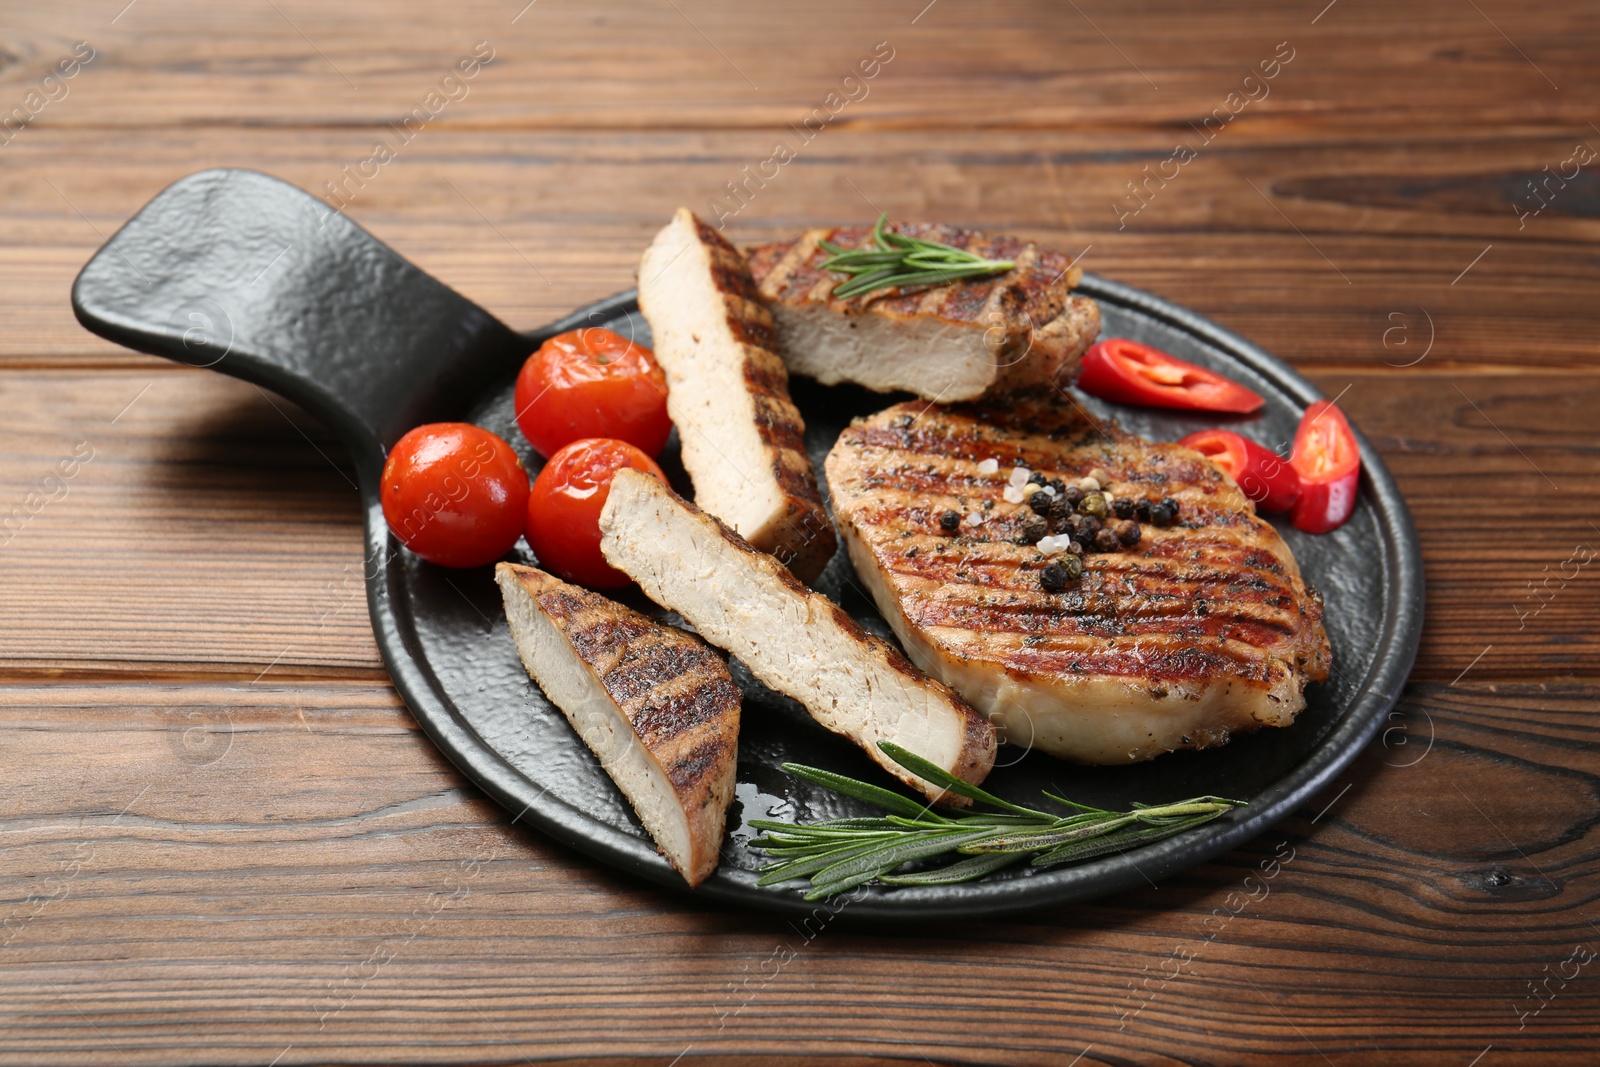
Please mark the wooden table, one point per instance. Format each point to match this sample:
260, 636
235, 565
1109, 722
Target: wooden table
225, 841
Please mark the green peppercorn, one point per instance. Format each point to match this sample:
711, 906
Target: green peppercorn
1072, 564
1094, 504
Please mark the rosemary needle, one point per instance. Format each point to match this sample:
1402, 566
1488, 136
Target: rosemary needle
901, 262
839, 854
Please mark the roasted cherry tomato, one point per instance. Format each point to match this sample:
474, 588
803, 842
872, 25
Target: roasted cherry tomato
592, 383
1328, 461
1131, 373
1262, 474
564, 508
455, 494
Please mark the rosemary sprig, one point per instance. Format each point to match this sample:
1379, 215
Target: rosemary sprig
839, 854
901, 262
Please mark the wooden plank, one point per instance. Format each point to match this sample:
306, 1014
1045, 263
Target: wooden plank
199, 528
312, 881
1276, 239
697, 64
212, 531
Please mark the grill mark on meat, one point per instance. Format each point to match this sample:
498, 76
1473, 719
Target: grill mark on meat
1008, 596
1092, 620
651, 666
1184, 661
688, 768
671, 715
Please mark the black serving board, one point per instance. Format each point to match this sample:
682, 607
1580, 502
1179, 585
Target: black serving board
372, 345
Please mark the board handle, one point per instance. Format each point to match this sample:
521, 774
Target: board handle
248, 275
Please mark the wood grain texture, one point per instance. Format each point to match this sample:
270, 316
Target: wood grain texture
224, 840
699, 64
1256, 232
309, 872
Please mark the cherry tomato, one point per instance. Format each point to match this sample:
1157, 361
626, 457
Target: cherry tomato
1131, 373
1328, 461
1262, 474
592, 383
455, 494
564, 508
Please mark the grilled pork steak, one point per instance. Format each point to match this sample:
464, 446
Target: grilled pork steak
654, 704
728, 394
950, 342
1200, 630
795, 640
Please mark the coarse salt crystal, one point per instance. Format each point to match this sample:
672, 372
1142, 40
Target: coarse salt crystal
1019, 476
1048, 490
988, 466
1051, 546
1013, 495
973, 518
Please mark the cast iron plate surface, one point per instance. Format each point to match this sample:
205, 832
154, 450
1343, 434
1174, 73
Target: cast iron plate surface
443, 635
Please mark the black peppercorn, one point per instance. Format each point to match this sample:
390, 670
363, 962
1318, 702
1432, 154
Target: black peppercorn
1165, 513
1122, 508
949, 521
1053, 578
1106, 541
1058, 485
1036, 479
1082, 527
1072, 494
1128, 532
1033, 528
1141, 511
1040, 502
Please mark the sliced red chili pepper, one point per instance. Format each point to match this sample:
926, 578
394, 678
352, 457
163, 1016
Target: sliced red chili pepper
1328, 461
1132, 373
1263, 475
